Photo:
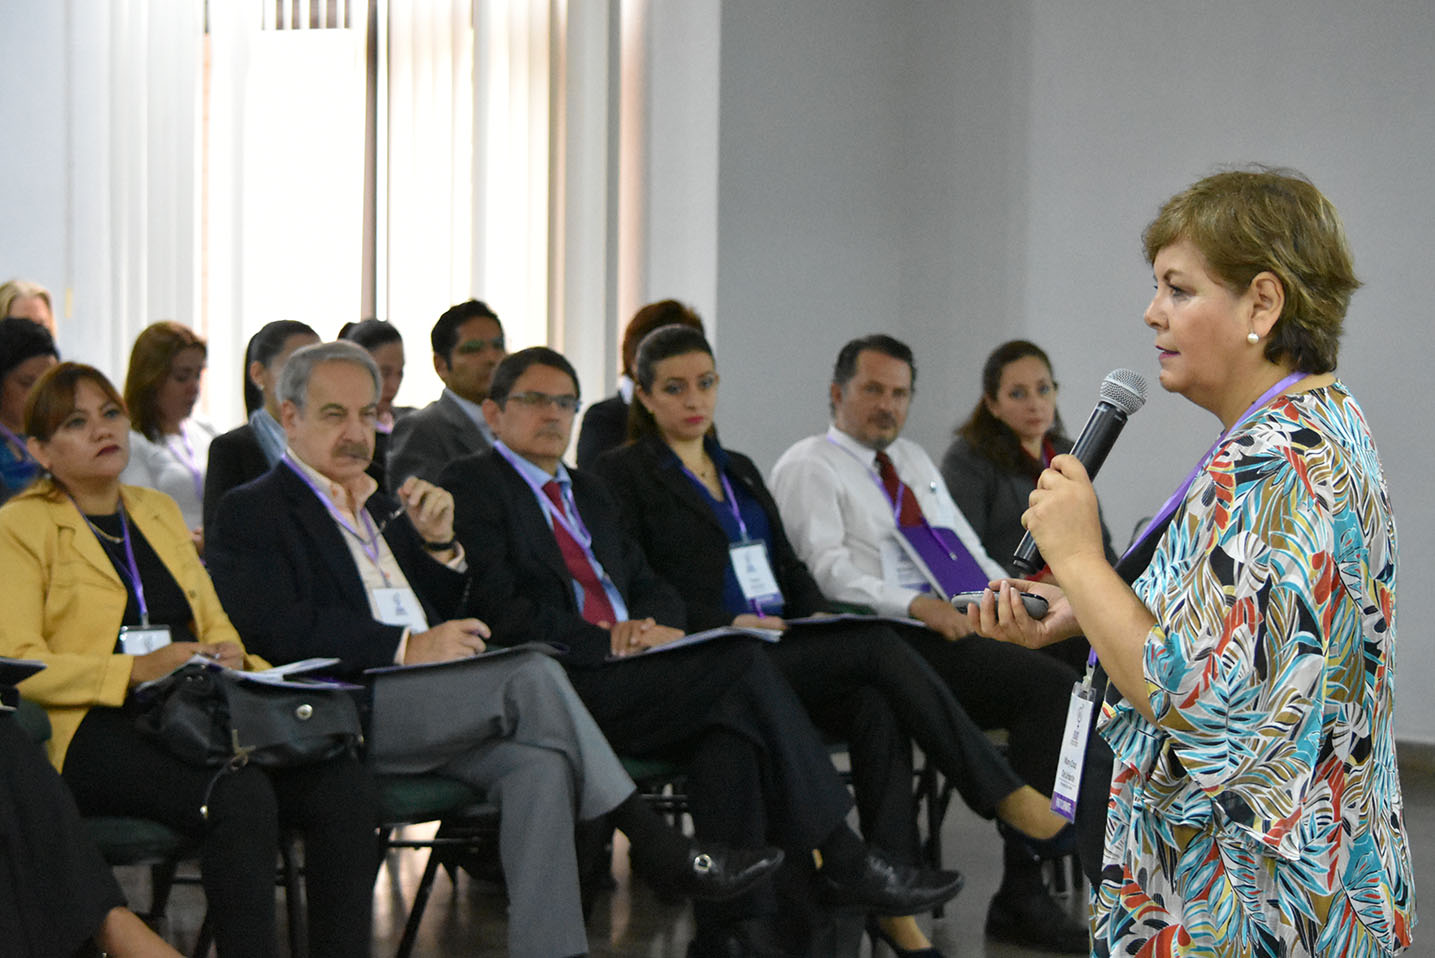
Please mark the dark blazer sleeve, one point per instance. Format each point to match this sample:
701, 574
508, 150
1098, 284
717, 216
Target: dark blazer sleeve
605, 426
520, 585
288, 582
682, 540
234, 459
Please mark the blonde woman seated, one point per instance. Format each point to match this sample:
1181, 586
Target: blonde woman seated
104, 586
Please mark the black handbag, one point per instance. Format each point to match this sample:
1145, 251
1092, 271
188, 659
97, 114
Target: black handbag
212, 717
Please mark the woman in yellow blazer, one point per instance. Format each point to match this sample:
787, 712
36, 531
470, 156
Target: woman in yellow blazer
104, 586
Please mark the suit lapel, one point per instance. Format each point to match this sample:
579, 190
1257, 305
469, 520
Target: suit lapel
676, 481
531, 525
313, 522
86, 543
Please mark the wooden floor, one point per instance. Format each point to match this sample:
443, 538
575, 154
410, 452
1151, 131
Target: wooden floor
468, 919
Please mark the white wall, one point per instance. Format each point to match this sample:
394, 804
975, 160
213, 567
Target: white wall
961, 173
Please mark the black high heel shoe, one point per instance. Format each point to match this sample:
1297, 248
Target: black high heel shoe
876, 934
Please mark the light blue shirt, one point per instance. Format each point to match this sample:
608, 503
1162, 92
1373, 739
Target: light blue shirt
536, 479
474, 412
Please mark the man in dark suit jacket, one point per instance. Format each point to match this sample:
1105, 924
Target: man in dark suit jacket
312, 560
756, 764
467, 345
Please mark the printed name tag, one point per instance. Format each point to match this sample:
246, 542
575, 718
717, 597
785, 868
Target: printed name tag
754, 572
899, 569
400, 607
142, 640
1073, 751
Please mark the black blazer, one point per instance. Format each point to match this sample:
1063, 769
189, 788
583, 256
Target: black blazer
684, 541
288, 582
234, 459
520, 584
605, 426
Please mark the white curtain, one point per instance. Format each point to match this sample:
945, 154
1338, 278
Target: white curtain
132, 219
285, 177
498, 151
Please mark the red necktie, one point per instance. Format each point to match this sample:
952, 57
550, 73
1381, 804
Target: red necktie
596, 607
909, 514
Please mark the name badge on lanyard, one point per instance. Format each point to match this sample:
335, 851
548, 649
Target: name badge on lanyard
143, 639
899, 568
1073, 750
399, 607
754, 573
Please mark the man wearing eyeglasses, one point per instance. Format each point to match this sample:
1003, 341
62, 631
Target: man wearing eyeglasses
549, 561
467, 346
312, 560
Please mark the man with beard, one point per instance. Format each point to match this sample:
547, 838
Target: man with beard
862, 506
311, 560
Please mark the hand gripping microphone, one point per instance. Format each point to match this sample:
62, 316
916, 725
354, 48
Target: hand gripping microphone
1123, 391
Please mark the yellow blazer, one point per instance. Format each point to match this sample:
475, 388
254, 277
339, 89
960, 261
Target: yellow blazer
64, 601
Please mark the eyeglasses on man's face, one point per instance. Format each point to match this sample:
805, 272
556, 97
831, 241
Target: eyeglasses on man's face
567, 403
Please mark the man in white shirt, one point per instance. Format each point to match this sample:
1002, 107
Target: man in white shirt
864, 509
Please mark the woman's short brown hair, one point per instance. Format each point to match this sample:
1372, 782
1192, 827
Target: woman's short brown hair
52, 398
150, 361
1247, 222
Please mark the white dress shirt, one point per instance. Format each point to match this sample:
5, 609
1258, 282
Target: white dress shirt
839, 518
174, 465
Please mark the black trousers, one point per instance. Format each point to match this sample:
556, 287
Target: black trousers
115, 770
55, 889
758, 771
1005, 686
862, 683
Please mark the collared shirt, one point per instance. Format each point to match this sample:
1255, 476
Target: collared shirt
475, 412
536, 477
374, 560
626, 387
838, 516
269, 434
175, 465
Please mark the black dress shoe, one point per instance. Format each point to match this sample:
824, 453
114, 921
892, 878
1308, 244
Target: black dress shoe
714, 872
889, 888
1036, 920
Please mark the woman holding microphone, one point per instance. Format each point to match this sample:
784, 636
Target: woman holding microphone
1255, 805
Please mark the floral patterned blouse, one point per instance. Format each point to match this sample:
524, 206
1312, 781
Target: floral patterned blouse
1262, 816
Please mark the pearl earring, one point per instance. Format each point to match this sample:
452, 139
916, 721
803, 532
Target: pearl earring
1253, 337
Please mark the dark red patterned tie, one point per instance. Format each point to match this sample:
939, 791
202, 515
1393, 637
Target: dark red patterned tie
910, 513
596, 607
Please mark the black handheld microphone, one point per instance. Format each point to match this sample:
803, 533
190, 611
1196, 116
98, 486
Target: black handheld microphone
1123, 391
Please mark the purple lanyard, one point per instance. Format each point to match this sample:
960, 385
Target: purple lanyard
189, 460
1169, 506
19, 443
133, 572
1177, 497
897, 501
574, 525
368, 542
727, 491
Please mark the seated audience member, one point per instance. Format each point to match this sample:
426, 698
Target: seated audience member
845, 497
26, 351
248, 451
169, 450
549, 562
605, 424
386, 345
347, 572
467, 346
700, 512
26, 300
56, 891
104, 586
992, 465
